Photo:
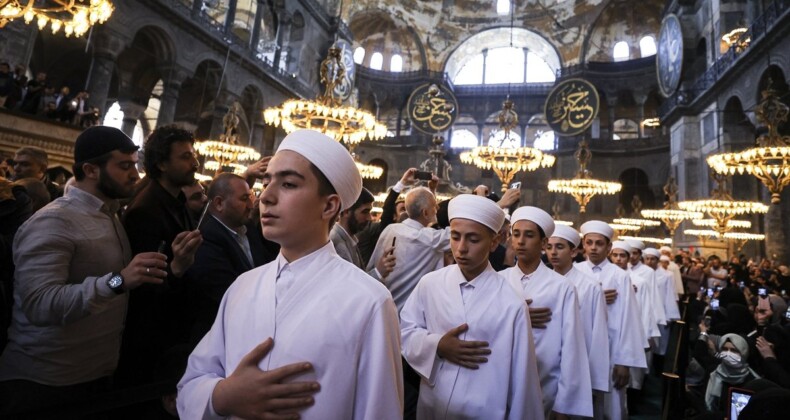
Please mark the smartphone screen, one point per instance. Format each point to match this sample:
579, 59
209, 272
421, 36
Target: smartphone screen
515, 185
787, 314
714, 304
710, 292
762, 292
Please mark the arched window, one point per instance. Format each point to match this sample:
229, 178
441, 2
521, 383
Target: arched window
498, 139
376, 61
114, 118
463, 139
544, 140
647, 46
621, 51
359, 55
396, 63
503, 7
625, 129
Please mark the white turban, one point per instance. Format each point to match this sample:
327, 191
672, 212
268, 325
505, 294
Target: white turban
665, 249
636, 244
331, 158
476, 208
664, 258
597, 226
536, 216
568, 233
622, 245
652, 252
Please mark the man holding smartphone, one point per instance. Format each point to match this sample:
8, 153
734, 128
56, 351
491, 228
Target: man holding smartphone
716, 275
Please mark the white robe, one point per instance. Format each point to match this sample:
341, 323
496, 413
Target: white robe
651, 308
507, 386
592, 312
666, 288
332, 315
676, 277
563, 364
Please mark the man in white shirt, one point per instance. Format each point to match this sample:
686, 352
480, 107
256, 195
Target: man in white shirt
626, 338
562, 250
716, 275
467, 333
677, 277
563, 365
327, 322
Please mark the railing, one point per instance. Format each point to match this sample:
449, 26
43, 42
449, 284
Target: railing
504, 89
400, 76
756, 31
615, 67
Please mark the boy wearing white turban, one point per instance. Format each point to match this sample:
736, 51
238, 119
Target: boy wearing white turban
563, 364
626, 338
665, 289
327, 321
562, 250
620, 254
466, 333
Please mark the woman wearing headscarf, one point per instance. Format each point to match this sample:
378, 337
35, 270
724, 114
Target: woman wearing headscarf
733, 369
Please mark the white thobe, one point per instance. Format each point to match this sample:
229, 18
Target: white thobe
592, 312
418, 251
677, 278
666, 288
651, 308
505, 387
319, 309
563, 364
626, 338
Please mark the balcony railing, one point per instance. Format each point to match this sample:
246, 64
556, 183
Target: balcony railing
400, 76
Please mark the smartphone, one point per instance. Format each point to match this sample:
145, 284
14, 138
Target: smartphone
516, 185
423, 175
762, 292
714, 304
741, 285
787, 314
710, 293
718, 288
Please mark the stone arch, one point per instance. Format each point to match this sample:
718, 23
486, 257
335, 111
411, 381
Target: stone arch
621, 20
197, 97
377, 30
636, 182
251, 101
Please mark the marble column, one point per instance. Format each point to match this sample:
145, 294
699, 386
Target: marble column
485, 61
256, 26
106, 47
230, 17
611, 103
283, 32
132, 111
172, 78
16, 43
256, 139
640, 99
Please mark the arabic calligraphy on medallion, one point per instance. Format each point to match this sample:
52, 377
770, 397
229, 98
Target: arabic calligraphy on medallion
432, 108
669, 58
571, 107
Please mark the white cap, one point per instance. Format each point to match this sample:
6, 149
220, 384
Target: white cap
568, 233
665, 249
636, 244
664, 258
476, 208
597, 226
536, 216
622, 245
651, 251
331, 158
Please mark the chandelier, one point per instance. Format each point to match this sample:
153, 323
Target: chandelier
722, 207
583, 187
226, 154
738, 39
637, 223
738, 239
769, 160
660, 241
74, 16
367, 171
744, 224
671, 214
326, 113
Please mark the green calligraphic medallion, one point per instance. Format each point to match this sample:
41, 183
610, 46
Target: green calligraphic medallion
669, 59
572, 107
432, 108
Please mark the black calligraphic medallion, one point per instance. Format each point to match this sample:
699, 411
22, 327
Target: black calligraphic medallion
571, 107
669, 59
344, 89
432, 108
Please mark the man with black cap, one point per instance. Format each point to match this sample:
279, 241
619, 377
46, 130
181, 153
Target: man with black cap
74, 266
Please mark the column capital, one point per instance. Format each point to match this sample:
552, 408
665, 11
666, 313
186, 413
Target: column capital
131, 109
108, 43
172, 74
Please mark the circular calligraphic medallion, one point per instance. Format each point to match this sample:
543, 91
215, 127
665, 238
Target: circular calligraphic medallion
669, 59
344, 89
572, 107
432, 108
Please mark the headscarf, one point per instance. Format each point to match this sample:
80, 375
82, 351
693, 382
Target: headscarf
733, 369
778, 306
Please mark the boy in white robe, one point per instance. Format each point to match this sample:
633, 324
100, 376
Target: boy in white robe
327, 321
467, 333
666, 289
563, 364
626, 338
562, 250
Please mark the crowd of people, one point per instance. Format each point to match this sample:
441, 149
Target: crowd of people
38, 96
292, 302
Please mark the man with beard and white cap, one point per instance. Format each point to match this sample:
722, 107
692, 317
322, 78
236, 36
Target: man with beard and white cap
665, 288
563, 364
562, 250
308, 317
674, 269
621, 254
626, 338
459, 315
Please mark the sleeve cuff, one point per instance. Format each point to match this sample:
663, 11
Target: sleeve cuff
398, 187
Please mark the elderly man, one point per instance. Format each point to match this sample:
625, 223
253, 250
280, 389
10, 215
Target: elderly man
74, 268
308, 308
32, 162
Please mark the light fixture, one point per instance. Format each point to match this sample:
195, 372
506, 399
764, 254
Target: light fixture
732, 224
507, 161
651, 122
722, 207
368, 171
738, 39
325, 113
638, 223
671, 215
563, 222
226, 155
769, 160
74, 16
660, 241
583, 187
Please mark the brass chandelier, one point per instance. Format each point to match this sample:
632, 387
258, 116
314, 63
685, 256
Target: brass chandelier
671, 214
73, 16
738, 239
583, 187
507, 161
722, 207
769, 160
226, 155
326, 113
